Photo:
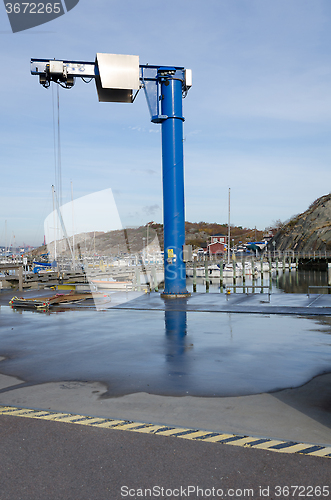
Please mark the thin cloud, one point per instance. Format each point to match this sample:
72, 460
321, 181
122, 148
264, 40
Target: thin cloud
151, 210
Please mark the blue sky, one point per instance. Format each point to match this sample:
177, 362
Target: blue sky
258, 117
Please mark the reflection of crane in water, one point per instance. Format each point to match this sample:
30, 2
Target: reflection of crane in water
175, 318
176, 330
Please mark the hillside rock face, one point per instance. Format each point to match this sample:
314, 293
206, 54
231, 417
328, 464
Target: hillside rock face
309, 231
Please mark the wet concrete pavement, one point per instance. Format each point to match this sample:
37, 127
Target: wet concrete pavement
184, 364
174, 364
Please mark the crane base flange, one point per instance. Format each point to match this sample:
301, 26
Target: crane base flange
175, 295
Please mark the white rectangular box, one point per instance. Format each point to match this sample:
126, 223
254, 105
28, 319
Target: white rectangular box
188, 78
56, 67
118, 71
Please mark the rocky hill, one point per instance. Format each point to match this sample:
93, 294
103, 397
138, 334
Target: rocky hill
133, 240
309, 231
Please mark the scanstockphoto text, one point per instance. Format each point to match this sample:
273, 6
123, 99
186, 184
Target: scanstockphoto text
194, 491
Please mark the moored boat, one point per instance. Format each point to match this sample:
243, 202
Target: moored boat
112, 284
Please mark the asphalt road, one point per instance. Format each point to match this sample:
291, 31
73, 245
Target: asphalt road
42, 460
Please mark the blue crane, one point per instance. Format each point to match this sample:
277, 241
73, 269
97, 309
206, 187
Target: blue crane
119, 78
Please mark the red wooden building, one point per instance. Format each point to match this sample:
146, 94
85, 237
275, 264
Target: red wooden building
217, 246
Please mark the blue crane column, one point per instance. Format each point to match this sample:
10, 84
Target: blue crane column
173, 187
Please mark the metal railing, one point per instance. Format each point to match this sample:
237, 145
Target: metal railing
269, 255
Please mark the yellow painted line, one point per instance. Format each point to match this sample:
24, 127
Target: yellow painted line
321, 453
20, 413
295, 448
243, 442
177, 430
180, 432
219, 437
266, 446
59, 417
90, 421
173, 430
69, 418
129, 426
43, 415
110, 424
151, 429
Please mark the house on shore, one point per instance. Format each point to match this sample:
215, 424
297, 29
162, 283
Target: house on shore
217, 246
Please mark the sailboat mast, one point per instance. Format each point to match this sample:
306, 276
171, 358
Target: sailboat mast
229, 230
73, 228
54, 223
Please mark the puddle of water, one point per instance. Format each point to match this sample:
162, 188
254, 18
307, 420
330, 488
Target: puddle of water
168, 353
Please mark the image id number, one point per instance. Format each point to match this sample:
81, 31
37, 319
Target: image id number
33, 8
302, 491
